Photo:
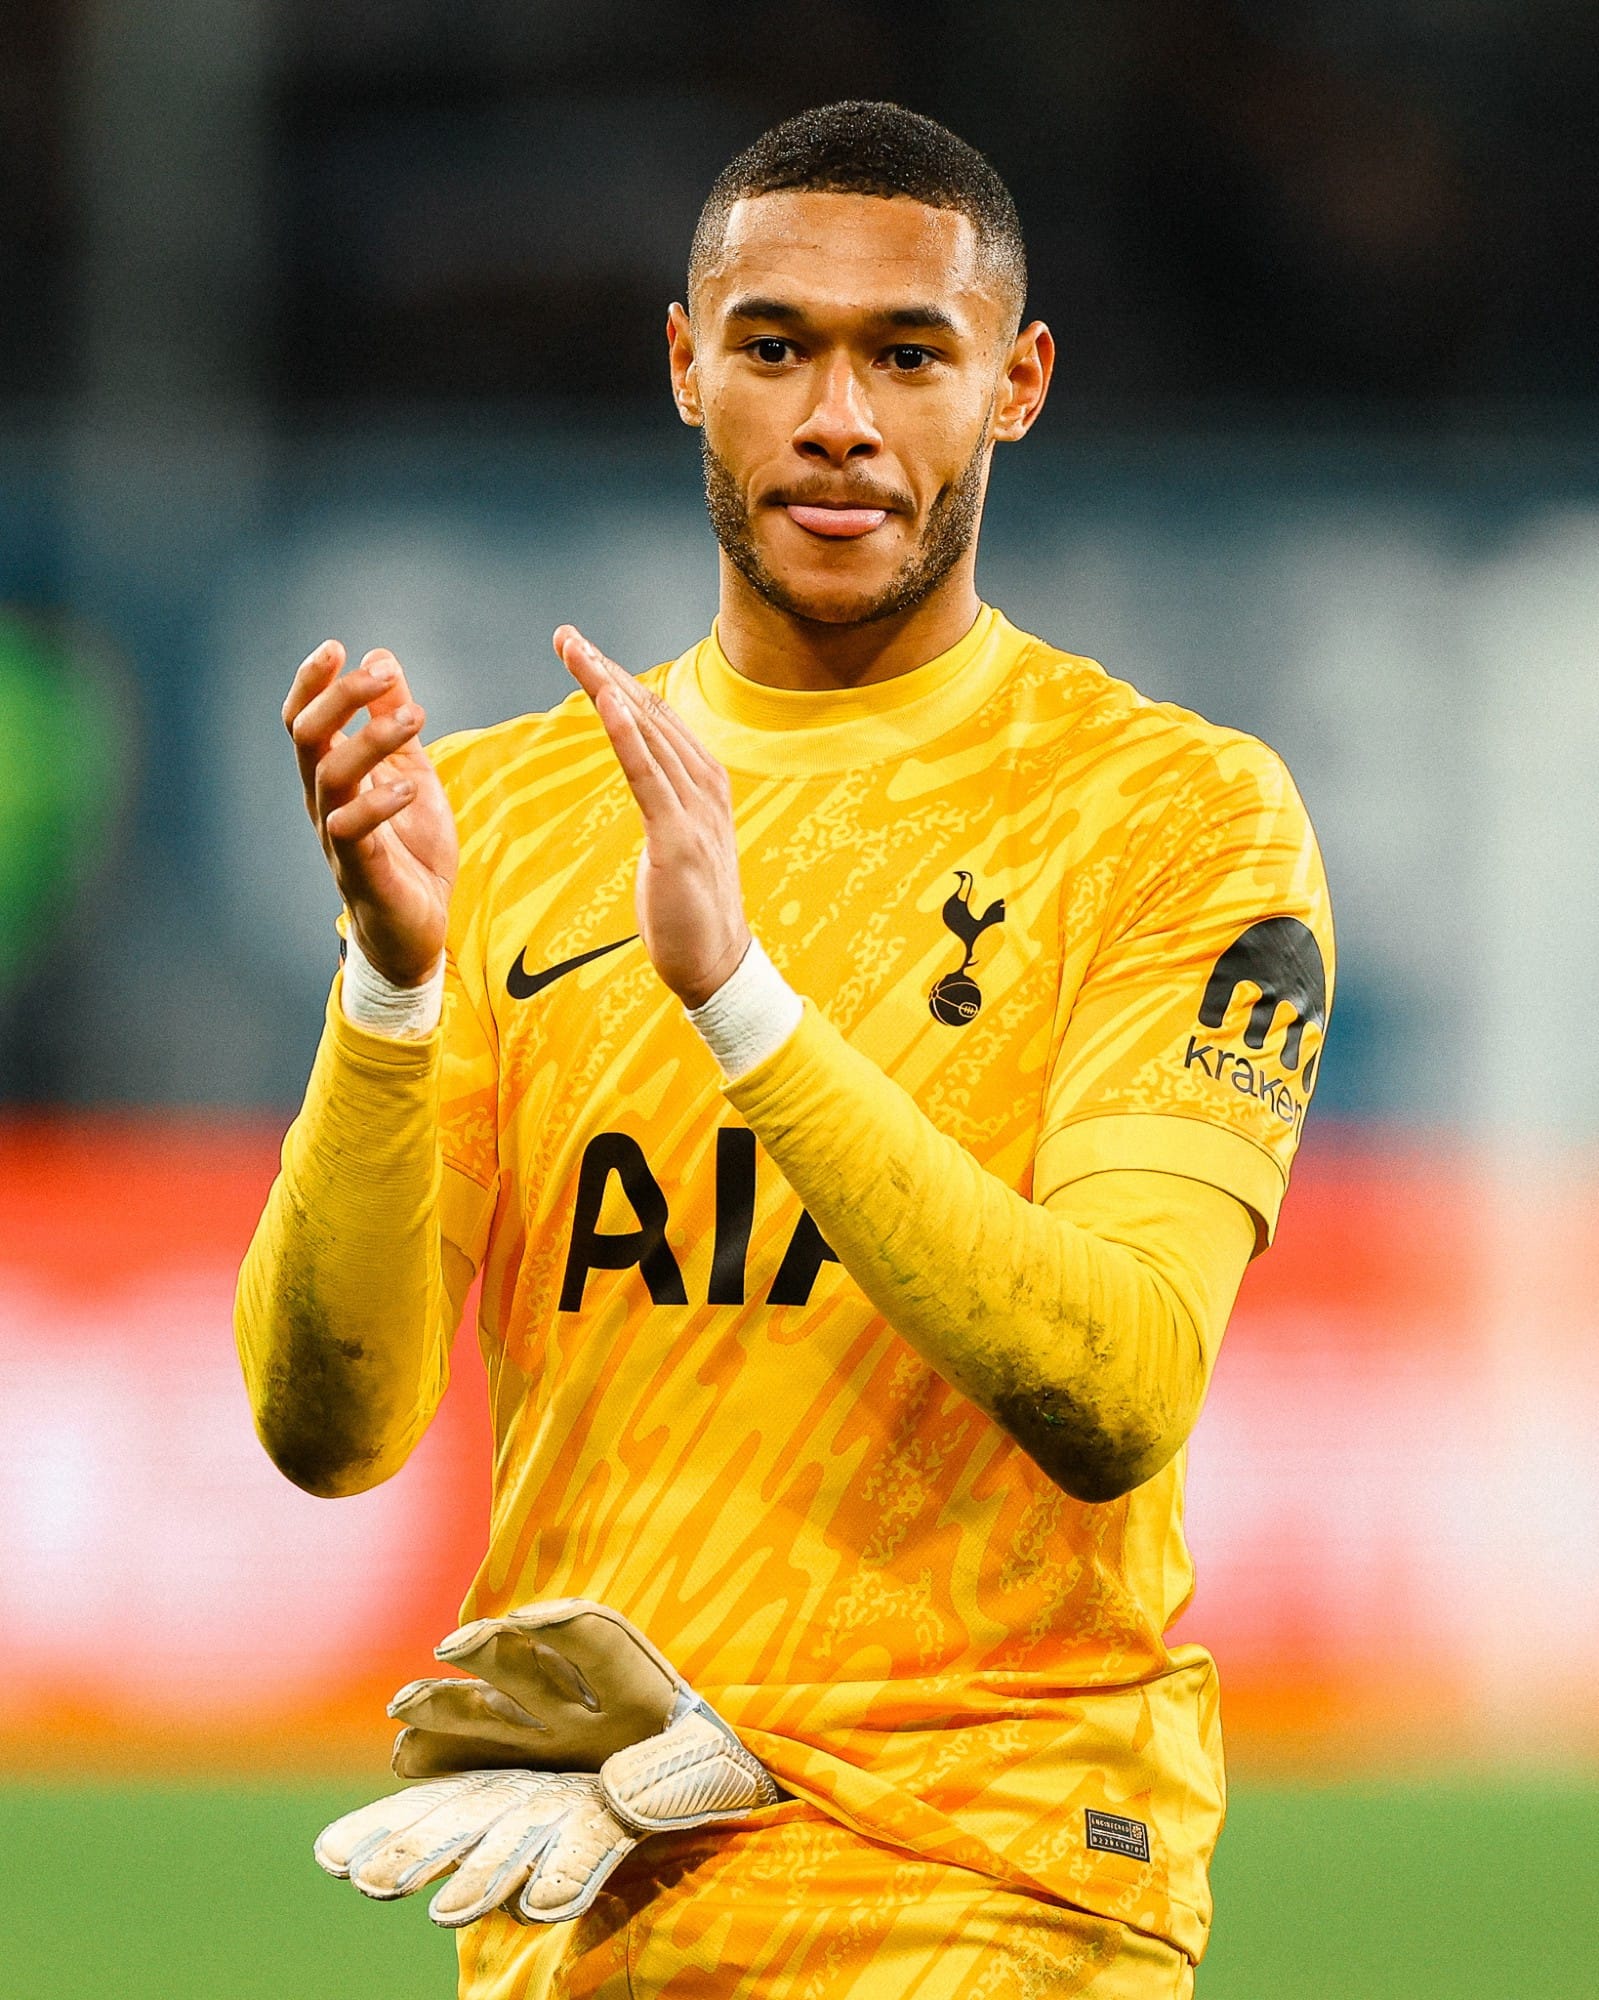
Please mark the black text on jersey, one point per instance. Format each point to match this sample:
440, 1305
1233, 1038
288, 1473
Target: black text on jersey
592, 1249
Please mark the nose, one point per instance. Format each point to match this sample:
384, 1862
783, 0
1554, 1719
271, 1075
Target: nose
839, 426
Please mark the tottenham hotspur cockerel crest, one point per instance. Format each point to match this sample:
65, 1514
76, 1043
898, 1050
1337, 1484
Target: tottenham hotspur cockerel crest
955, 998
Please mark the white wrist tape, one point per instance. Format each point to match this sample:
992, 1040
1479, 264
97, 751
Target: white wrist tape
403, 1013
750, 1015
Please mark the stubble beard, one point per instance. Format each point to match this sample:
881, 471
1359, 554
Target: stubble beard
951, 528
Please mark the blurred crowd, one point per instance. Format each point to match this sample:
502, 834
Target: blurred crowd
1247, 201
348, 320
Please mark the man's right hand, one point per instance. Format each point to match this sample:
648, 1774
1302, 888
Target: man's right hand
377, 805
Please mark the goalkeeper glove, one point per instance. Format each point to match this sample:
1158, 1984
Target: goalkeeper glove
622, 1745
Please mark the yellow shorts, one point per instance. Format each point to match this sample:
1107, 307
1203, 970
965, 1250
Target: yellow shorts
800, 1908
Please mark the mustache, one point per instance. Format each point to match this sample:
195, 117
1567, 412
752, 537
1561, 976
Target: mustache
817, 493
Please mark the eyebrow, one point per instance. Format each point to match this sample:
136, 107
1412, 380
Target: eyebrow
921, 318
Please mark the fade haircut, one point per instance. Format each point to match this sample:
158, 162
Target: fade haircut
861, 147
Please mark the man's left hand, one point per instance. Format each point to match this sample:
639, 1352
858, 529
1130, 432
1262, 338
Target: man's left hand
690, 903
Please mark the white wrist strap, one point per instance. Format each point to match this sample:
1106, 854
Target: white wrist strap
750, 1015
403, 1013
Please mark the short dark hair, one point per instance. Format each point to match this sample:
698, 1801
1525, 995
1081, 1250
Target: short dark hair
862, 147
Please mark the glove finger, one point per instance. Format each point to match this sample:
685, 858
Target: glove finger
425, 1753
401, 1862
570, 1871
503, 1859
342, 1838
470, 1706
580, 1668
454, 1725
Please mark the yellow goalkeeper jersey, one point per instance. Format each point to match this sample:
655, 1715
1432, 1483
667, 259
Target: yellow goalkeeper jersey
1084, 930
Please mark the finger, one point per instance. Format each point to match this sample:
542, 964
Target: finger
649, 763
660, 715
463, 1725
429, 1753
379, 686
469, 1706
307, 762
343, 765
694, 779
595, 671
344, 1837
603, 1652
658, 720
590, 1676
657, 789
582, 659
338, 700
651, 717
494, 1871
506, 1855
319, 722
312, 675
348, 825
569, 1872
396, 690
402, 1862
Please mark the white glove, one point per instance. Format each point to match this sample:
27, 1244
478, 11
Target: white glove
557, 1686
542, 1841
626, 1748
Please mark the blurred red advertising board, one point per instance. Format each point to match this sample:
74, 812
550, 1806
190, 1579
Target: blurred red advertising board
160, 1582
1393, 1493
1393, 1497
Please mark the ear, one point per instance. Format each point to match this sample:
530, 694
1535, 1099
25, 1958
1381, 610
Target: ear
680, 352
1024, 383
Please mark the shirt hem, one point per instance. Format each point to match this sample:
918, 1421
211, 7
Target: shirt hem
1166, 1142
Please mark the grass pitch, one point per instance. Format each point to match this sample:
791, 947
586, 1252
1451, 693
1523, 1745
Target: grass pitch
1464, 1891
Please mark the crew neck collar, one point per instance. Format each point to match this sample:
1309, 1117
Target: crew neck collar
800, 731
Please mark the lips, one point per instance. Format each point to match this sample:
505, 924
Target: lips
838, 523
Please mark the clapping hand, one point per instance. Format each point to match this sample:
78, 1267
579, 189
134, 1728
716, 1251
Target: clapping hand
377, 806
690, 902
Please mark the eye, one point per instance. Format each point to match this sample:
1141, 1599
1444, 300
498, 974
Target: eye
771, 350
907, 360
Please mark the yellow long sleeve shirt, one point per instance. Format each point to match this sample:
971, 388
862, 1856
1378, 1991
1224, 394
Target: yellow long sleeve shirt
1087, 1328
833, 1377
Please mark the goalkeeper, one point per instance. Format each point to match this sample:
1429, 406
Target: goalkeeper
861, 1057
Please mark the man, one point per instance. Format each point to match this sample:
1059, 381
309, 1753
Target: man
848, 1293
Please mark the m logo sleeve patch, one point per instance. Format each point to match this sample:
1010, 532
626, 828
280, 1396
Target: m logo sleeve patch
1280, 958
1195, 1038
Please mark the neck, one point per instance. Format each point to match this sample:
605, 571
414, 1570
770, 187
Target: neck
779, 650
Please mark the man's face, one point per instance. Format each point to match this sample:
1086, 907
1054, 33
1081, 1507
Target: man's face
846, 358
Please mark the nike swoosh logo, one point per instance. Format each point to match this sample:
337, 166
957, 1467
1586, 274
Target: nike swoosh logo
522, 984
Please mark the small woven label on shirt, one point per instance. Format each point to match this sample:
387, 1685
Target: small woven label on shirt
1113, 1835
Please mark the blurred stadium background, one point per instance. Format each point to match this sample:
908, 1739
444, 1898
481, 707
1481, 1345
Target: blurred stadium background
345, 320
